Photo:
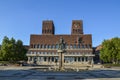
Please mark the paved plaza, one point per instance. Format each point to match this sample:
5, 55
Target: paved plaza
25, 73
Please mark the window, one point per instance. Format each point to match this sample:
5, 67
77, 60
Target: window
31, 52
46, 46
38, 52
50, 46
52, 53
71, 46
74, 58
82, 46
67, 47
56, 46
82, 58
74, 46
48, 58
42, 46
41, 52
86, 59
44, 58
86, 46
38, 46
52, 59
42, 31
30, 58
34, 45
78, 58
78, 45
45, 53
53, 46
34, 52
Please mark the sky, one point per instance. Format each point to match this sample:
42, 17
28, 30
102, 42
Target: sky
20, 18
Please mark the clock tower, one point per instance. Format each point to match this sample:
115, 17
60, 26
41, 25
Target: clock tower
48, 27
77, 27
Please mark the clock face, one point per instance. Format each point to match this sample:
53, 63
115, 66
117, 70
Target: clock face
76, 25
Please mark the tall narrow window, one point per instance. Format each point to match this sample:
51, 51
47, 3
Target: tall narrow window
71, 46
82, 46
74, 46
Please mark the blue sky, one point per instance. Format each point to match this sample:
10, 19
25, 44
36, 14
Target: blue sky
20, 18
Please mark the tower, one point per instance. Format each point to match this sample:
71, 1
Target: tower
77, 27
48, 27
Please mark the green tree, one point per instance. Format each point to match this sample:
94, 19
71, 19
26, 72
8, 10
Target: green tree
4, 48
20, 50
110, 51
12, 50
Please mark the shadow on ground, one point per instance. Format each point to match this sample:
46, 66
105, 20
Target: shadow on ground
50, 75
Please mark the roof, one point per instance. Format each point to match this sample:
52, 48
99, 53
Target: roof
53, 39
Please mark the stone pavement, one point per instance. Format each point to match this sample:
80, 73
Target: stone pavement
24, 73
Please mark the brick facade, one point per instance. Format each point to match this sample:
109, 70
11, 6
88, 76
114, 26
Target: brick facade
44, 47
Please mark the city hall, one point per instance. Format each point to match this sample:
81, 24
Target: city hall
43, 48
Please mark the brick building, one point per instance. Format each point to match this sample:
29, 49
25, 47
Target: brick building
43, 48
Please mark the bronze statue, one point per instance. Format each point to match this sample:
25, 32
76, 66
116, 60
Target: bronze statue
61, 44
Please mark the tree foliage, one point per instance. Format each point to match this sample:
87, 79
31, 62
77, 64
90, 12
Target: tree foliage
110, 51
12, 50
